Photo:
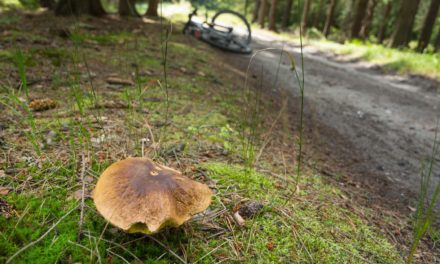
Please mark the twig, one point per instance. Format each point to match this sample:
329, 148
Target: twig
119, 256
210, 252
81, 216
167, 248
42, 236
114, 243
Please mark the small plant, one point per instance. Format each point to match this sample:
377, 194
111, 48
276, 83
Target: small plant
425, 213
20, 60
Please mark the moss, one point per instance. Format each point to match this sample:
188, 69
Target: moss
328, 235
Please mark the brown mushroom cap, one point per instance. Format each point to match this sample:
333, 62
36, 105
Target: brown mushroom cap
138, 195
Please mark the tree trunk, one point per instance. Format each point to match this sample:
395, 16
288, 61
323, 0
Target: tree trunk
153, 5
127, 8
428, 25
348, 19
47, 3
318, 16
79, 7
384, 22
366, 23
437, 42
286, 17
359, 15
262, 13
328, 20
256, 11
305, 15
273, 16
404, 23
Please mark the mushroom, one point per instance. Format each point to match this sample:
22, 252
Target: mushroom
137, 195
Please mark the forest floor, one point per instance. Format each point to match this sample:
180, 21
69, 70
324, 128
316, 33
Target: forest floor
104, 81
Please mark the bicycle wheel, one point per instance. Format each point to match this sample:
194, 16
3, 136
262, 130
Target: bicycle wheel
241, 30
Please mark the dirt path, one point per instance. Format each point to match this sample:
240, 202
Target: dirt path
360, 123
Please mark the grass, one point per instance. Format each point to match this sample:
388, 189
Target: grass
401, 61
205, 112
425, 214
392, 60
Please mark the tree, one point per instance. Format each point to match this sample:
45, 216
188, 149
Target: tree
262, 13
305, 15
152, 8
428, 25
328, 20
286, 15
47, 3
384, 22
366, 23
404, 23
318, 16
272, 15
79, 7
359, 15
437, 42
127, 8
256, 11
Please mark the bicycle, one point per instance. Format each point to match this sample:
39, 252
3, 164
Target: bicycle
228, 30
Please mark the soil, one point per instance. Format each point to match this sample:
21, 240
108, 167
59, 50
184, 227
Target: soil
374, 128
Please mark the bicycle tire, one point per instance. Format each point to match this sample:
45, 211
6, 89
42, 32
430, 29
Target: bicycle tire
245, 23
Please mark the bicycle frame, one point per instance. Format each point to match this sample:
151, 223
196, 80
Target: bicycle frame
214, 34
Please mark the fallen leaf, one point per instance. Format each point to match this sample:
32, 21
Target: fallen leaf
2, 173
4, 190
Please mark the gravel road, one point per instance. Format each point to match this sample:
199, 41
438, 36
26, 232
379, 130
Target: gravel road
376, 128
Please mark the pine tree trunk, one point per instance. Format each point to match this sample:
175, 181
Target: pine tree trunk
359, 14
47, 3
79, 7
286, 16
273, 16
404, 23
127, 8
318, 16
256, 9
262, 13
366, 23
348, 20
428, 25
305, 15
153, 5
437, 42
384, 22
328, 20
